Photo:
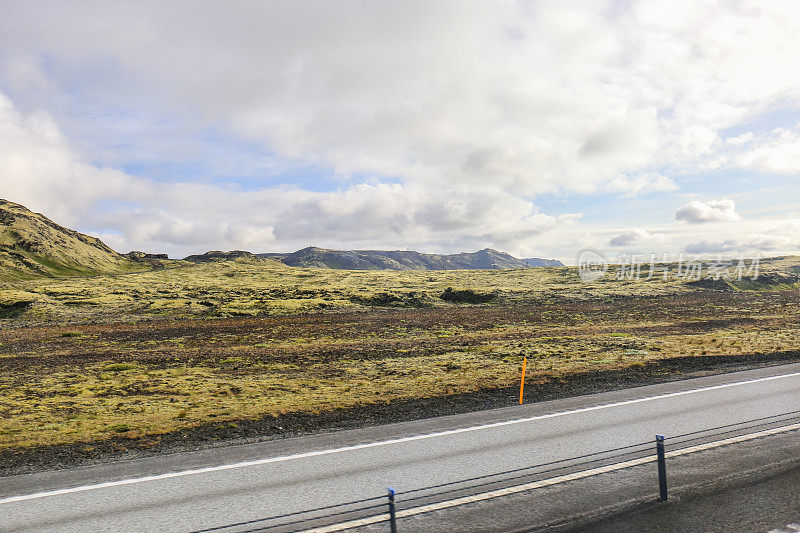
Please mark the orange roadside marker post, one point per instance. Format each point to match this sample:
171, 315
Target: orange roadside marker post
522, 380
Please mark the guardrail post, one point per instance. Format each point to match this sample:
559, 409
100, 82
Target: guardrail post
662, 468
392, 512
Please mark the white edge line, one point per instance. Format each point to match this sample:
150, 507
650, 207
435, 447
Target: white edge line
548, 482
315, 453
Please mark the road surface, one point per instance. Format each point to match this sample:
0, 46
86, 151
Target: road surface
214, 487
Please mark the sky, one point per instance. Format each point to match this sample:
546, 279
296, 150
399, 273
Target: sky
540, 128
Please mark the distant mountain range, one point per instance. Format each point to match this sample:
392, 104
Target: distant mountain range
33, 245
406, 260
313, 257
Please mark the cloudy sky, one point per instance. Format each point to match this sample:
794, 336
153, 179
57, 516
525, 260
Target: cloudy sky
539, 128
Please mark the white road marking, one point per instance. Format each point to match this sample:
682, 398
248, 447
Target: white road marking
548, 482
413, 438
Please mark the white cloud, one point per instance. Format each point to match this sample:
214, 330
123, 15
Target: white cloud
628, 238
40, 169
190, 218
712, 247
696, 212
772, 237
752, 243
529, 97
644, 184
777, 152
461, 113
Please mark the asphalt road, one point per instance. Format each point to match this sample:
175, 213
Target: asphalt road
749, 486
764, 503
193, 491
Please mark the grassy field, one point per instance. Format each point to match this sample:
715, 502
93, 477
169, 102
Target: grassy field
142, 355
258, 288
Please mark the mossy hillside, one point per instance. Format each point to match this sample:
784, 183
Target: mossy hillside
264, 287
33, 245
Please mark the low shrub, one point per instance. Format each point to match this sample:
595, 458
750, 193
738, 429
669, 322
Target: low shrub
120, 367
466, 296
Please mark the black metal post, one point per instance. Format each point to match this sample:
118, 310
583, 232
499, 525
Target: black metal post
392, 513
662, 467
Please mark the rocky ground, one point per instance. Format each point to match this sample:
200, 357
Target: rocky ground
85, 392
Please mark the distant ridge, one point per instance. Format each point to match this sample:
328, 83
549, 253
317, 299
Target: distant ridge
486, 259
217, 255
538, 262
33, 245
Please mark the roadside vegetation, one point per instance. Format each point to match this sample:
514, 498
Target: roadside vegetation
135, 357
268, 288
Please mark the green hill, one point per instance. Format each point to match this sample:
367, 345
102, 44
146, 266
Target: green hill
33, 245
